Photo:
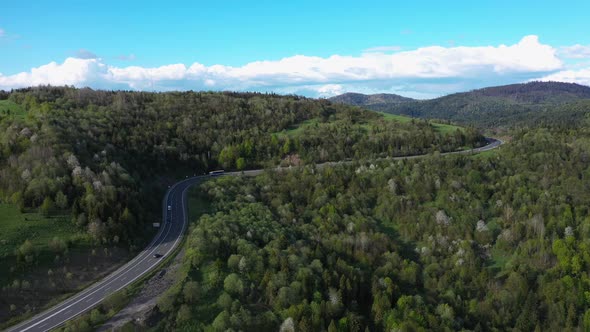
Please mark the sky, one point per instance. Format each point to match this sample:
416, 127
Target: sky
420, 49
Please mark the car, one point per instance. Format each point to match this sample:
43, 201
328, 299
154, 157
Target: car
169, 208
156, 255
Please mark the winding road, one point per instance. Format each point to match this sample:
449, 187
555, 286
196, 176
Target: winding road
166, 240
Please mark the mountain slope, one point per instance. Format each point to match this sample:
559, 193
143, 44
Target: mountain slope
359, 99
507, 105
101, 158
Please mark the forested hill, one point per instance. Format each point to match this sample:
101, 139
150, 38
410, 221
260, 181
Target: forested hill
93, 154
359, 99
494, 242
510, 105
536, 92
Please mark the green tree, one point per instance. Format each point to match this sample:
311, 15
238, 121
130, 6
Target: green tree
61, 200
184, 314
191, 291
233, 285
47, 207
241, 163
96, 317
332, 327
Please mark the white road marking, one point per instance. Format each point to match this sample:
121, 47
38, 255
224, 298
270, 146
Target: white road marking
115, 276
146, 252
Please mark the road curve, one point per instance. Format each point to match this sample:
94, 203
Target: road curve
165, 241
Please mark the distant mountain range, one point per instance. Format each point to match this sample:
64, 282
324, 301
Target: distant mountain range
506, 105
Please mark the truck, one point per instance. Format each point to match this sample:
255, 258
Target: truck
216, 173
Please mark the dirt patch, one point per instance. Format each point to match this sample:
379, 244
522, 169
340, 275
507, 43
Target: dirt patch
142, 309
39, 286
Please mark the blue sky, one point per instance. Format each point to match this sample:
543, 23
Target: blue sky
112, 36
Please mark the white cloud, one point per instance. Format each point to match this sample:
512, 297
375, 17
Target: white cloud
575, 51
416, 69
329, 90
73, 71
581, 76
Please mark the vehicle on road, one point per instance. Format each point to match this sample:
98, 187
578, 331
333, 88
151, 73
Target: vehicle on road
86, 300
169, 208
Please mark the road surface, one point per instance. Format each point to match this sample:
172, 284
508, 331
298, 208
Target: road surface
168, 237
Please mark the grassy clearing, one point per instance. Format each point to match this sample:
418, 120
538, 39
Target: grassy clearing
9, 108
445, 128
197, 203
486, 154
29, 286
395, 117
298, 130
17, 227
440, 127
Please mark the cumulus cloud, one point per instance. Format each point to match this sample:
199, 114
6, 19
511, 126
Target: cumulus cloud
85, 54
575, 51
329, 90
73, 71
412, 70
581, 76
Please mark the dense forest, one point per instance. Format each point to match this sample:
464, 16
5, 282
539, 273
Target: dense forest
103, 158
88, 150
485, 243
509, 106
359, 99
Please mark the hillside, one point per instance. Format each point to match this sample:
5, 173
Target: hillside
359, 99
483, 243
509, 105
96, 162
536, 92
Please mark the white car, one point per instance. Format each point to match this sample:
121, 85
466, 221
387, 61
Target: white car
169, 208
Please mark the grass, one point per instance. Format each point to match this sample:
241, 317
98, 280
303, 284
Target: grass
439, 127
197, 203
17, 227
298, 130
487, 154
445, 128
395, 117
10, 108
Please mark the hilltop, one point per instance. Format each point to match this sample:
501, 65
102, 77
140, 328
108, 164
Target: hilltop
359, 99
506, 105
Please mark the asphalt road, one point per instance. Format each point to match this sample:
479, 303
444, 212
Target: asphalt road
167, 238
492, 143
